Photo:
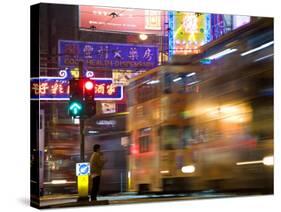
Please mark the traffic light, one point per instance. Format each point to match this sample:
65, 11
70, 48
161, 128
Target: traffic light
76, 108
76, 103
89, 97
82, 94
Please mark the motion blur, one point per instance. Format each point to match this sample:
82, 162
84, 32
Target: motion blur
196, 126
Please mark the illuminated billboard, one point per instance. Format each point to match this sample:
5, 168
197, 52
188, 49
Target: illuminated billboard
121, 19
190, 31
108, 107
122, 77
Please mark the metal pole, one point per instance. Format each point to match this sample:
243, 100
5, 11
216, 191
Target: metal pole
82, 121
121, 182
82, 140
80, 66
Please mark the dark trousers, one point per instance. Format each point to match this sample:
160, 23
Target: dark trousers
95, 187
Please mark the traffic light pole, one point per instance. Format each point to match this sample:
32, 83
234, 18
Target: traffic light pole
82, 103
82, 122
82, 140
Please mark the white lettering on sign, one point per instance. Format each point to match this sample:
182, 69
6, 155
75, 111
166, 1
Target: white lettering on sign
106, 122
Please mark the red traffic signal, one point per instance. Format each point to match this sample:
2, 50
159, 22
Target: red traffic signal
89, 98
89, 85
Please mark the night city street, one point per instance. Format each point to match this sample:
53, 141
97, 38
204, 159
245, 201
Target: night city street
137, 105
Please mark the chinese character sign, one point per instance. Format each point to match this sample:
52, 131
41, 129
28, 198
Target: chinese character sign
107, 55
58, 89
49, 88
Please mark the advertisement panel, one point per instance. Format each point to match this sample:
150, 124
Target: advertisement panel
189, 32
193, 30
122, 77
107, 55
108, 107
121, 19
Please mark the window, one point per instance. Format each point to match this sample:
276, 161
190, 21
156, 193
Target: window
180, 83
148, 88
145, 140
170, 137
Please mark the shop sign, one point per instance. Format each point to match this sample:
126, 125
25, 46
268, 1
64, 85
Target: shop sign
57, 88
107, 55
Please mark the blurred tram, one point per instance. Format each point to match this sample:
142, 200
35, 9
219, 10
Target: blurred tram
195, 126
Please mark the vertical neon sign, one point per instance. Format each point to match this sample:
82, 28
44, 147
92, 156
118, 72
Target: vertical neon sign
208, 34
171, 20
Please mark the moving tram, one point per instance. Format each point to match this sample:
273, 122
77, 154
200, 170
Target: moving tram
205, 122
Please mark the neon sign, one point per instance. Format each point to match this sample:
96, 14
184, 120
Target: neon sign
57, 88
171, 21
188, 32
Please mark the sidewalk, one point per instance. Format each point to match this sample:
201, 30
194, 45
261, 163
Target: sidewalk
54, 201
72, 199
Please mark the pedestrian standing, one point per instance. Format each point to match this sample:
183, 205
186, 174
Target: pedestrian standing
96, 162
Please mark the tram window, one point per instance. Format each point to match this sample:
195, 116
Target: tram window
144, 144
145, 140
180, 83
187, 137
167, 83
170, 138
148, 89
131, 93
